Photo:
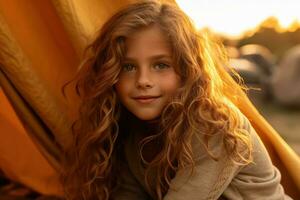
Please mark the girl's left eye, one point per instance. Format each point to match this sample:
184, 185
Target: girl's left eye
161, 66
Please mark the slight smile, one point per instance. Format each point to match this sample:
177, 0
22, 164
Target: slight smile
146, 99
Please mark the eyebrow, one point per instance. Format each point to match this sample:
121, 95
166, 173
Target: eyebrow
155, 57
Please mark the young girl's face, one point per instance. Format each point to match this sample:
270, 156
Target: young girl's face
148, 79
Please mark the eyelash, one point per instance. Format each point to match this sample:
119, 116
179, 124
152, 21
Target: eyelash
159, 66
126, 66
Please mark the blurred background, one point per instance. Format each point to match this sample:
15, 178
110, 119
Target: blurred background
262, 38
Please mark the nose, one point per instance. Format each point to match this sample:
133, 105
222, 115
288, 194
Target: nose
144, 79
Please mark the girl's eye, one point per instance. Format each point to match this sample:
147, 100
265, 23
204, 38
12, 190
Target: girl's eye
161, 66
128, 67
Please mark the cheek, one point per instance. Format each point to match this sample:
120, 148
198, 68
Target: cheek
121, 94
120, 88
123, 87
172, 83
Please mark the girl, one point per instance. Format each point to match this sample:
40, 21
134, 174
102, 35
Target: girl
155, 122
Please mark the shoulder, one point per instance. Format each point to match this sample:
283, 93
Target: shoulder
212, 178
261, 161
215, 145
259, 179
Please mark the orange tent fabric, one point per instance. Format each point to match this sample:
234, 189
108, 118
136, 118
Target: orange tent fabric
20, 160
41, 44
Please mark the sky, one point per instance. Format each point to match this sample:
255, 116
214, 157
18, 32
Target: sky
233, 17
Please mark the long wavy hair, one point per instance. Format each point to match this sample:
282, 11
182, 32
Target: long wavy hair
200, 107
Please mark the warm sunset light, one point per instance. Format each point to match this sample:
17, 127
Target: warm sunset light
233, 17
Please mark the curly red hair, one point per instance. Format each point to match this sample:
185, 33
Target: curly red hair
199, 108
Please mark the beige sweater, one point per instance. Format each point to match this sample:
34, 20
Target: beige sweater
212, 179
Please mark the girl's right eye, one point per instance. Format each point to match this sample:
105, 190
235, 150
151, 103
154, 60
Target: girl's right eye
128, 67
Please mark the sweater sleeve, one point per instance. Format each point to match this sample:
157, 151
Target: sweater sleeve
209, 177
214, 179
258, 180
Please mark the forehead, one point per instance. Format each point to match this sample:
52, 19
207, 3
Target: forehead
146, 41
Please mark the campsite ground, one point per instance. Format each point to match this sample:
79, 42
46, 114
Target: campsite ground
285, 120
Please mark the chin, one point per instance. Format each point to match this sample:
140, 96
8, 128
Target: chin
146, 117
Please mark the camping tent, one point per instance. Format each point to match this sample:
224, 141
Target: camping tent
286, 76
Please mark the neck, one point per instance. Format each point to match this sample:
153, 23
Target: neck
142, 129
147, 128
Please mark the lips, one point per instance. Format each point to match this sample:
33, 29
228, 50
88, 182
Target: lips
146, 98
